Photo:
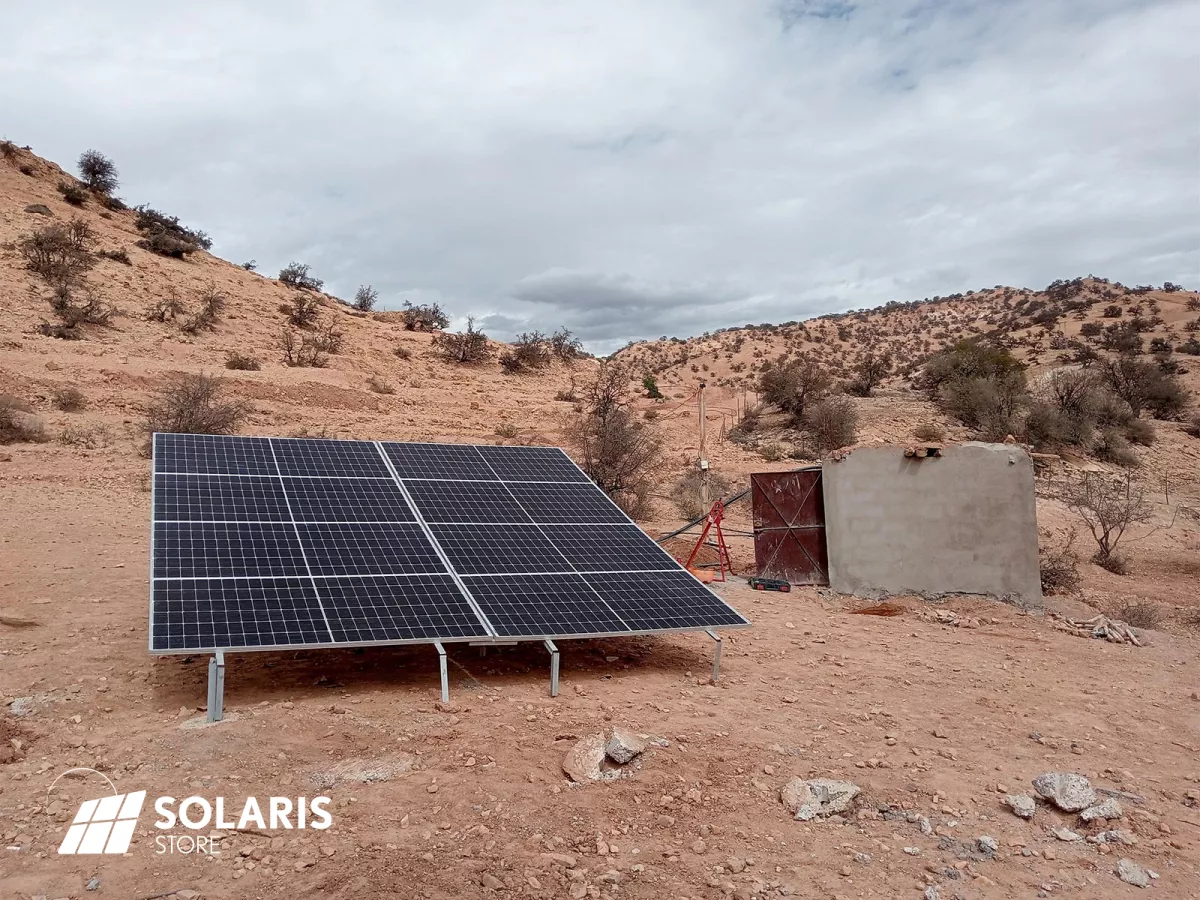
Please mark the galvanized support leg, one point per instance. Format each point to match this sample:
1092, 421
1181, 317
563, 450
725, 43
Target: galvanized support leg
554, 660
444, 671
716, 656
216, 687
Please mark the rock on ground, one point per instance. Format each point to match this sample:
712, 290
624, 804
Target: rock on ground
1131, 873
1109, 809
819, 797
1021, 805
624, 745
1066, 790
583, 761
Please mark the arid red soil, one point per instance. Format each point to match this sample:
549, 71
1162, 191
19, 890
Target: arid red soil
934, 721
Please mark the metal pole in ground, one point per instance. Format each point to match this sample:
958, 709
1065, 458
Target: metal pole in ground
716, 656
445, 672
554, 660
216, 687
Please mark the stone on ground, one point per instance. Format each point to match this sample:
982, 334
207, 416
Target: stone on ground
1021, 805
818, 797
1109, 809
1066, 790
1131, 873
584, 760
624, 745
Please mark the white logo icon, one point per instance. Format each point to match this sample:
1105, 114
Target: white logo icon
104, 826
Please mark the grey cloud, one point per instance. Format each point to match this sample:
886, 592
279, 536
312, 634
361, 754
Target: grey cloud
630, 169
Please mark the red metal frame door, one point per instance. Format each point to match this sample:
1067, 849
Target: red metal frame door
789, 526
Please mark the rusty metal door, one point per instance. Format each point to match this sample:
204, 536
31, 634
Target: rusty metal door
789, 526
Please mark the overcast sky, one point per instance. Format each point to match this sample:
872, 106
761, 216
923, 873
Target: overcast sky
633, 168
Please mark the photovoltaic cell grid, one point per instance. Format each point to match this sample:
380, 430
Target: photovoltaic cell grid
261, 543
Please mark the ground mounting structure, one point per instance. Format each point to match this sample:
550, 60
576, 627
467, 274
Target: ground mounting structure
263, 543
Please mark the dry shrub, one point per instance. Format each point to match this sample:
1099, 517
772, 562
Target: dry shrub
618, 452
1108, 507
59, 253
403, 353
1140, 613
304, 309
244, 362
72, 193
686, 492
793, 386
120, 255
929, 431
165, 308
296, 275
91, 310
328, 337
210, 307
166, 237
90, 437
18, 424
379, 386
1059, 566
69, 399
829, 424
301, 350
565, 345
365, 298
194, 404
507, 430
424, 317
465, 347
772, 452
530, 351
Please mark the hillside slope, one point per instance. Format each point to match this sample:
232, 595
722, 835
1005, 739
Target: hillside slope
118, 367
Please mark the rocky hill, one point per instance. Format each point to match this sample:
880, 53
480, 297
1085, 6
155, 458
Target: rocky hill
387, 381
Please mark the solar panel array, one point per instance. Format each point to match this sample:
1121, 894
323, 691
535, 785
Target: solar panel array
272, 543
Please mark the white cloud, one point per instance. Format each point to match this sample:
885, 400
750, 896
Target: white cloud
629, 169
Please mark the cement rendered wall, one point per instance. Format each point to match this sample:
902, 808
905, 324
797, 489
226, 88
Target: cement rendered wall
965, 522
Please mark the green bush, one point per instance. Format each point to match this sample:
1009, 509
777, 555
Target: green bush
98, 172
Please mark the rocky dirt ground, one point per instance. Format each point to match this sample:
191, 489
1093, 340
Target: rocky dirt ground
936, 723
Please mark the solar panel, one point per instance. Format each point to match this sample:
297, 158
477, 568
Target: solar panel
537, 605
390, 608
663, 601
323, 456
226, 550
553, 503
213, 454
346, 500
446, 461
236, 612
608, 547
532, 464
368, 548
501, 549
465, 501
213, 498
261, 543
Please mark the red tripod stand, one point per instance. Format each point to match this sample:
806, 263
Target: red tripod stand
711, 522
